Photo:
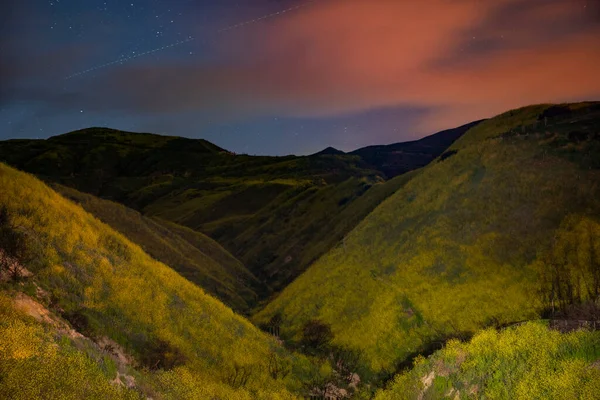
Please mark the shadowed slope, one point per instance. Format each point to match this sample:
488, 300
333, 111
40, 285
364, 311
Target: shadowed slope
194, 255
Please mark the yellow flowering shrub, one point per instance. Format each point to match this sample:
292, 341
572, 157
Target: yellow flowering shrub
525, 362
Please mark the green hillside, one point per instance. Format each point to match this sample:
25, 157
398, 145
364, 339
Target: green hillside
195, 256
526, 362
275, 214
174, 340
500, 228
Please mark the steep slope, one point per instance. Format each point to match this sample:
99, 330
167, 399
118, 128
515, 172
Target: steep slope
185, 344
273, 213
479, 237
525, 362
300, 226
36, 364
195, 256
399, 158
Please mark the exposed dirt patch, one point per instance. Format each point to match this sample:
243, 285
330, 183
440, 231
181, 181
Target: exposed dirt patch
453, 394
11, 268
441, 368
31, 307
474, 390
35, 309
124, 380
122, 360
426, 380
115, 351
354, 381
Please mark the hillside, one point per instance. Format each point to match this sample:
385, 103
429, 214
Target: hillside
275, 214
500, 228
525, 362
81, 303
399, 158
195, 256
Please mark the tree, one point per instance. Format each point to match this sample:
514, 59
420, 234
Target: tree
239, 375
345, 361
316, 335
160, 354
279, 367
275, 324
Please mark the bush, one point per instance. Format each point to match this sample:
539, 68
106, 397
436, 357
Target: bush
239, 375
160, 354
80, 322
346, 361
279, 367
316, 335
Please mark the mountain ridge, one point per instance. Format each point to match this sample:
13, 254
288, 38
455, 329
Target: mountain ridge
255, 206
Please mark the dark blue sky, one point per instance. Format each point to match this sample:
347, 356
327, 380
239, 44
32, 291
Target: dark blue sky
323, 73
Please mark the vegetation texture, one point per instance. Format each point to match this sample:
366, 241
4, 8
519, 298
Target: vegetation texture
195, 256
277, 215
502, 227
34, 364
526, 362
475, 239
182, 343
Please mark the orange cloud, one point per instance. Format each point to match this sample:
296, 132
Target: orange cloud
461, 59
351, 55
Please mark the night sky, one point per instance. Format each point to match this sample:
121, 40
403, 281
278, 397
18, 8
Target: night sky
342, 73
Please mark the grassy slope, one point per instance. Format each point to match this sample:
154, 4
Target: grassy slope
300, 226
270, 216
275, 214
90, 270
35, 364
526, 362
194, 255
460, 246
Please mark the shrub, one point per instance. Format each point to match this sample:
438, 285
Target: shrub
239, 375
316, 335
80, 322
160, 354
279, 367
346, 361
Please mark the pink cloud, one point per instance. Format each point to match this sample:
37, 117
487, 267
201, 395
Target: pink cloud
344, 56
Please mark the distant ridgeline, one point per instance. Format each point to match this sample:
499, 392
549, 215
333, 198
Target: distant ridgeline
277, 215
